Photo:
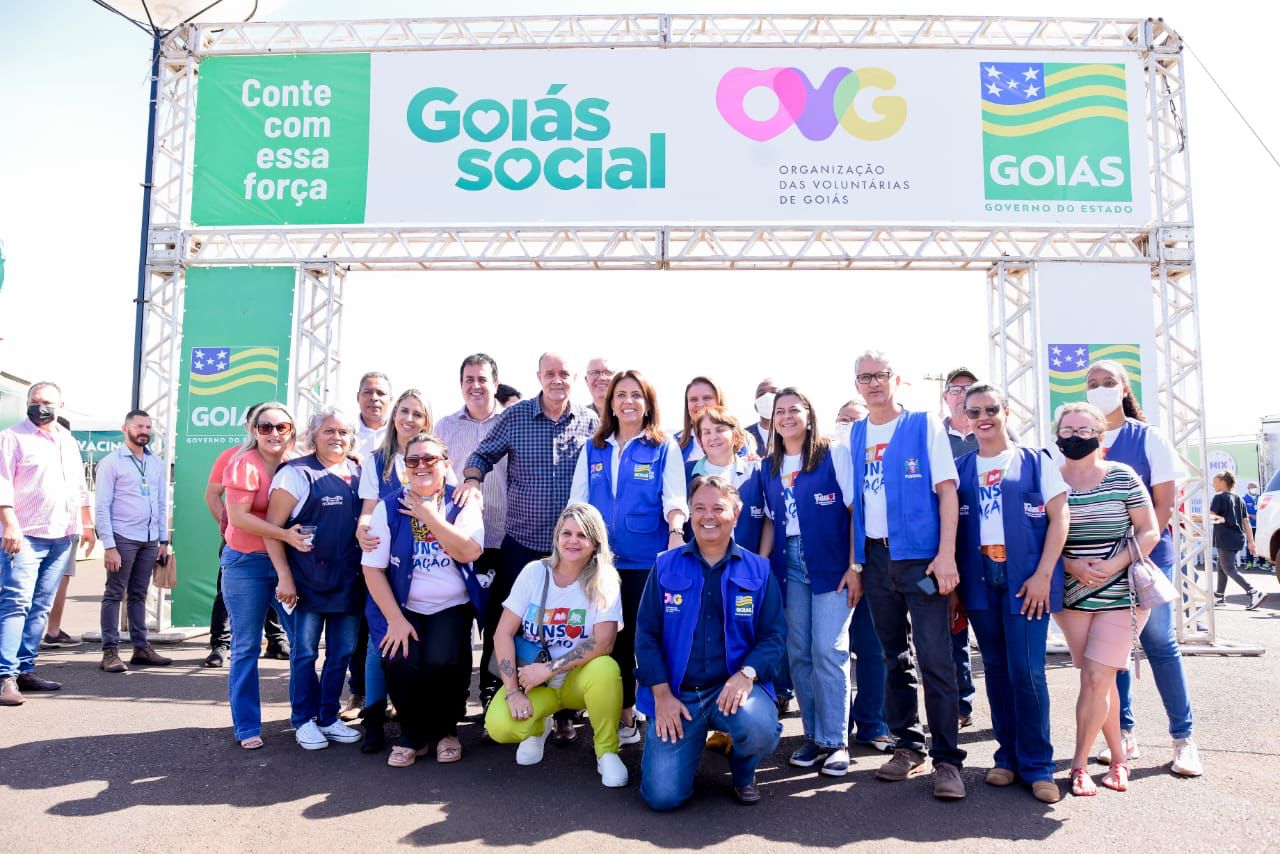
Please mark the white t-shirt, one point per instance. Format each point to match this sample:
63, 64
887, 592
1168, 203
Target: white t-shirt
437, 584
941, 463
368, 439
291, 480
569, 618
990, 498
843, 464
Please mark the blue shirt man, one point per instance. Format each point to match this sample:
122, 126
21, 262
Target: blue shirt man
710, 638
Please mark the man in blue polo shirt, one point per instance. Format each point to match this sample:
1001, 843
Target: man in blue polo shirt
710, 637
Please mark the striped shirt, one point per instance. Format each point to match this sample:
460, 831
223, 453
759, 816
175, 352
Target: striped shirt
42, 479
1099, 521
461, 435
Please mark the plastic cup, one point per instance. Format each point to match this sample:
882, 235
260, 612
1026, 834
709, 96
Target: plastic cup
308, 534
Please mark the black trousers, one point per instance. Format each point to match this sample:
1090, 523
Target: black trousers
220, 623
512, 558
624, 647
429, 685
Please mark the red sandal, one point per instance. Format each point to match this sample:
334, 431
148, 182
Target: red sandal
1117, 777
1082, 784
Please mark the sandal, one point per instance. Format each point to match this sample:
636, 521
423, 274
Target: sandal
1117, 777
448, 749
1082, 784
253, 742
403, 757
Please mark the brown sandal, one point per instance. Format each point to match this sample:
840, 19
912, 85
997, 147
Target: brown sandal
448, 749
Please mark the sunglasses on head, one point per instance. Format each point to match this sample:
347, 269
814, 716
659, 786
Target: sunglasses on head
976, 411
424, 460
284, 428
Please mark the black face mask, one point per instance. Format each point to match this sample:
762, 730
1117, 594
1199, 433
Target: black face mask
1076, 448
40, 414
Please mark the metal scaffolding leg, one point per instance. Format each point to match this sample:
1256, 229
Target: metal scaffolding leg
316, 358
1013, 339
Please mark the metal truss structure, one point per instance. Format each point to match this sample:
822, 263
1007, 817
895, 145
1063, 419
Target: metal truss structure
1007, 254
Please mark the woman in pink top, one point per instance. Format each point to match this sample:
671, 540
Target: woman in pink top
248, 576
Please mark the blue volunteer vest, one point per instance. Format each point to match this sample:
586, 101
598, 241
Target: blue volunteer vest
400, 570
1130, 448
637, 529
386, 485
1025, 523
328, 577
914, 526
679, 575
749, 480
824, 524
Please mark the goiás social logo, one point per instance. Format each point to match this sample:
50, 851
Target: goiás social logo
815, 111
1054, 131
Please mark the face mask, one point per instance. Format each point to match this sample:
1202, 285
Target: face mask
1076, 448
764, 404
842, 432
1253, 490
1107, 398
40, 414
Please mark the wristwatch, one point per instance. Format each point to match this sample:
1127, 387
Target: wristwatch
749, 672
856, 567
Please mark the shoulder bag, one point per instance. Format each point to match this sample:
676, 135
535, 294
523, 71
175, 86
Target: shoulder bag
527, 652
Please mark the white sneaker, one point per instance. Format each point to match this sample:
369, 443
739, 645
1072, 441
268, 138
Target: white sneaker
340, 732
309, 736
1186, 759
629, 734
612, 772
1255, 599
1130, 748
529, 752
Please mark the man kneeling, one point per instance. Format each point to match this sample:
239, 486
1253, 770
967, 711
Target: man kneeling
710, 636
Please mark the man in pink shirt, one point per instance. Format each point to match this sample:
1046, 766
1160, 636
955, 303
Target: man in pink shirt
42, 489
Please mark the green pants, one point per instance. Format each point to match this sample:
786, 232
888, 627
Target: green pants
596, 686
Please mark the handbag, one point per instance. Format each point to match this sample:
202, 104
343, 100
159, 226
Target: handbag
1149, 588
529, 652
165, 574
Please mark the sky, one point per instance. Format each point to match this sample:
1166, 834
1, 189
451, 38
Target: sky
73, 82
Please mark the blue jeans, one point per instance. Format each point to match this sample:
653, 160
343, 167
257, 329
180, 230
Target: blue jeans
29, 582
311, 696
375, 680
867, 710
818, 652
891, 588
248, 588
668, 768
1159, 639
1013, 658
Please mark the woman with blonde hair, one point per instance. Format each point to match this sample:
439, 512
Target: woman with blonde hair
700, 393
553, 642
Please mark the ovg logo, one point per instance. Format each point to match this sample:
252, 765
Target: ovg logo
226, 380
815, 110
1056, 131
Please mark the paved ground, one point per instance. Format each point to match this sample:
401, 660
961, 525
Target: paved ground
145, 762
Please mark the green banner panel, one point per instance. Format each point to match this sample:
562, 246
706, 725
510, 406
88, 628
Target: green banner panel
237, 324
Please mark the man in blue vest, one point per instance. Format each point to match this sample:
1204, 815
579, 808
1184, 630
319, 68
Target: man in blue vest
710, 637
905, 511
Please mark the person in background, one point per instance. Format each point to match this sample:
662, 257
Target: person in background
55, 637
571, 603
1253, 560
423, 597
850, 412
700, 393
1013, 523
42, 491
632, 473
597, 378
321, 584
710, 635
374, 398
1130, 440
759, 432
507, 395
1231, 532
219, 625
1099, 616
132, 522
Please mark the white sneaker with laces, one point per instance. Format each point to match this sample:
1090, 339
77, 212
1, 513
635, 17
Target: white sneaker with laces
309, 736
531, 749
1130, 748
340, 732
612, 772
1255, 599
629, 734
1186, 759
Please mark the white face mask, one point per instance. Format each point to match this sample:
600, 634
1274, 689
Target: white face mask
764, 405
1253, 490
842, 432
1107, 398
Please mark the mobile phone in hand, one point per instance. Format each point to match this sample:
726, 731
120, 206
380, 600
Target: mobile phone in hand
928, 584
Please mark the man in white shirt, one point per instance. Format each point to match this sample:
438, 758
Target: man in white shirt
374, 398
598, 376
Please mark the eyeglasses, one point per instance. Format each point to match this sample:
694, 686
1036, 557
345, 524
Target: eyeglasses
284, 428
1082, 432
954, 389
976, 411
882, 376
425, 460
595, 375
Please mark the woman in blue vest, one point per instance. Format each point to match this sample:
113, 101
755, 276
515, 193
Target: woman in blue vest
1131, 441
1013, 522
633, 475
700, 393
722, 439
323, 585
423, 597
809, 488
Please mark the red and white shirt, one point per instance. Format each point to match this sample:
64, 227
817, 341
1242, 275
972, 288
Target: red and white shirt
42, 479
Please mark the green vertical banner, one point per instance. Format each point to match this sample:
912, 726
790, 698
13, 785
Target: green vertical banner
237, 325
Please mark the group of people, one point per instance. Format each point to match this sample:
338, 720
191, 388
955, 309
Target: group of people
697, 581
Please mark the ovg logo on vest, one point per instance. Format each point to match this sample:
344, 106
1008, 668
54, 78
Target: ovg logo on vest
1056, 131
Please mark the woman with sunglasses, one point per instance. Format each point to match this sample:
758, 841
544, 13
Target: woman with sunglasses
1013, 523
1130, 440
249, 579
631, 472
423, 596
1099, 618
323, 585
